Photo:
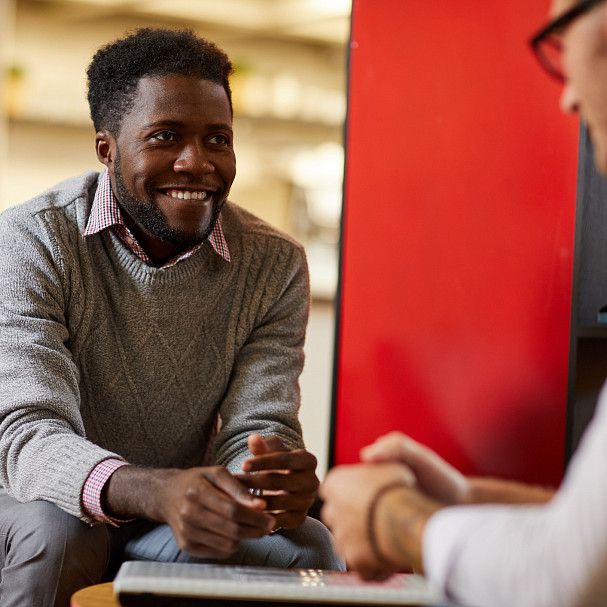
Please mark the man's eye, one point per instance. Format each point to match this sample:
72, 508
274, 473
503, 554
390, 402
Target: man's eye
164, 136
219, 140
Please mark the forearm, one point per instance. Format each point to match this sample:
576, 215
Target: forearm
134, 492
491, 490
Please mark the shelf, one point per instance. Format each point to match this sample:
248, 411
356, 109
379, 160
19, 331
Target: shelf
592, 331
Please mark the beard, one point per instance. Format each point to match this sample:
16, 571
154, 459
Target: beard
148, 215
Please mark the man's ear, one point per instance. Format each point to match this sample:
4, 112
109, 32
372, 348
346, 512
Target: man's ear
105, 146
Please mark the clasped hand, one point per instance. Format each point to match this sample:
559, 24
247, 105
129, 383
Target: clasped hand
377, 509
210, 510
287, 479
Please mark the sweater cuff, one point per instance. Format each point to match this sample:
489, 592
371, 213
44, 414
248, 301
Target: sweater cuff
91, 492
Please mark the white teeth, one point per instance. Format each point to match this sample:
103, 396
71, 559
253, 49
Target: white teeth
187, 195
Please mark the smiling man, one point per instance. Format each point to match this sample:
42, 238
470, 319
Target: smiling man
170, 203
151, 337
406, 507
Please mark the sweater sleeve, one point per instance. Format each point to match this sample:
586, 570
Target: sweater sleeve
44, 454
263, 395
553, 554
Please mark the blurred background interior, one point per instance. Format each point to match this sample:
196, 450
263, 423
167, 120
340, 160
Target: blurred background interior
289, 103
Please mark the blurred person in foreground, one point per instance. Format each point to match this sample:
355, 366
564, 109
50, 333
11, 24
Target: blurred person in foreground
405, 508
151, 341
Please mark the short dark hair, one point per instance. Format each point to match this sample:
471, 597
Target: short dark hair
117, 68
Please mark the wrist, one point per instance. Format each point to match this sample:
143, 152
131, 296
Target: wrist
381, 551
400, 519
134, 492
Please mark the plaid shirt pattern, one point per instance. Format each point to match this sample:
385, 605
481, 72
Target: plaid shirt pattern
91, 494
105, 213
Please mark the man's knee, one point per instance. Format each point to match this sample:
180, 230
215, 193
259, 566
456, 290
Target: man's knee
312, 547
43, 531
49, 552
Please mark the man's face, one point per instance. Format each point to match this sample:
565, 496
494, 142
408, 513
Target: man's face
585, 63
173, 163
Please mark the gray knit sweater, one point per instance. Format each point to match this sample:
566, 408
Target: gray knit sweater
104, 356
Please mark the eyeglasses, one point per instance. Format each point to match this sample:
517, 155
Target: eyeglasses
547, 43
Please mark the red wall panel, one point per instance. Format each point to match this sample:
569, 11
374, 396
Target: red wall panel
457, 238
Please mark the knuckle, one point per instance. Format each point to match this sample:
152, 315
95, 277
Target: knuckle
191, 494
181, 529
215, 471
230, 509
186, 511
231, 530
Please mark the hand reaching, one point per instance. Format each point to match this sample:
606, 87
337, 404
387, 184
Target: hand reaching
434, 476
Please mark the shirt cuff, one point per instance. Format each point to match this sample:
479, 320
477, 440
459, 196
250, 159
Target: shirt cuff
441, 541
91, 493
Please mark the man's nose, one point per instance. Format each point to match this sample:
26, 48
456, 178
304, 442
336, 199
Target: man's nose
570, 103
193, 159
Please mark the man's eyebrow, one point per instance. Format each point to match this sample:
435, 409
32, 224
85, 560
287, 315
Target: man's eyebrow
220, 126
175, 123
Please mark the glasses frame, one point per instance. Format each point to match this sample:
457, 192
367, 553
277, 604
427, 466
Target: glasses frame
558, 24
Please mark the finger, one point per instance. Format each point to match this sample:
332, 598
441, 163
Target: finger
289, 502
292, 482
394, 445
275, 444
290, 520
209, 543
222, 531
202, 502
230, 485
298, 459
257, 445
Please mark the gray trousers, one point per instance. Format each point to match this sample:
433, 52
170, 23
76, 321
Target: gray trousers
47, 554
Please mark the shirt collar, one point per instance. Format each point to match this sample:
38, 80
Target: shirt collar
105, 213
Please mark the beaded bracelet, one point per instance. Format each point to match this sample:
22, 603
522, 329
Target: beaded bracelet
371, 517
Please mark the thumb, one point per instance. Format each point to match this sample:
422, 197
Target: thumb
257, 445
391, 447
